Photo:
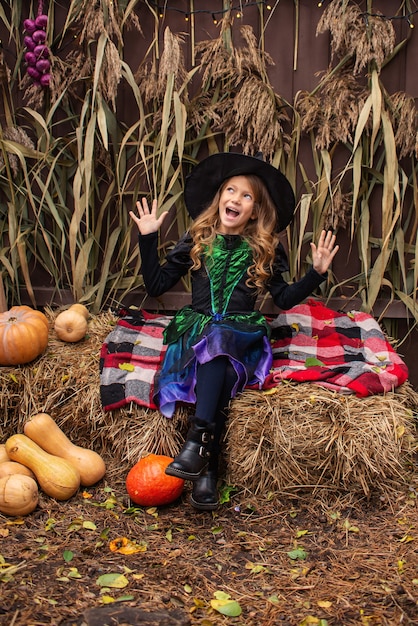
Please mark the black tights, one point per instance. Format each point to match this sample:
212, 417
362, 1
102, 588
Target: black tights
215, 381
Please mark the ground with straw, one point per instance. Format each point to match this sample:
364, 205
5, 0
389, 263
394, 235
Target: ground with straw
318, 523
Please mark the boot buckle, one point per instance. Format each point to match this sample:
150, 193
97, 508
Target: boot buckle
206, 437
204, 453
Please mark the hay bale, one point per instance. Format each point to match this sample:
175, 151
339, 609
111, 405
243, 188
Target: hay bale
304, 436
294, 436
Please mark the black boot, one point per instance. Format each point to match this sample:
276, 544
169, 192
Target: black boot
194, 456
205, 492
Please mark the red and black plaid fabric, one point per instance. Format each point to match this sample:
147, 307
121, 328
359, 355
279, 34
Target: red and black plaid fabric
130, 356
347, 352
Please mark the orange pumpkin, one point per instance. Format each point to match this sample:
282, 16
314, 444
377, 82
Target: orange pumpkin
23, 335
148, 485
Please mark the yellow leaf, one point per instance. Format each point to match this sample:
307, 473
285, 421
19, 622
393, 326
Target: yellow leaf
309, 619
270, 392
107, 599
152, 511
324, 604
127, 367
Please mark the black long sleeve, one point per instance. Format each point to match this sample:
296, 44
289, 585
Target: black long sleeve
285, 295
160, 278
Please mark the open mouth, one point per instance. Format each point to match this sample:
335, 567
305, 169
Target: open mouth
231, 212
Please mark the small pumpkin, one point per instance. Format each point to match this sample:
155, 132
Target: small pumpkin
71, 325
18, 495
81, 309
44, 431
148, 485
57, 477
9, 468
23, 335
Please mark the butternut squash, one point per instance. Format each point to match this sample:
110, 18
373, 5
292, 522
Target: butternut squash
57, 477
9, 468
3, 454
18, 495
44, 431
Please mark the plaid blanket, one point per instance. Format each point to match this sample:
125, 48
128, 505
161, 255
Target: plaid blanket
129, 359
346, 352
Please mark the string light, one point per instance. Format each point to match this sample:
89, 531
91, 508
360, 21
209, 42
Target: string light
238, 10
215, 14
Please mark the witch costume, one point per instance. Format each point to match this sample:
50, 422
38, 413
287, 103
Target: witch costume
221, 320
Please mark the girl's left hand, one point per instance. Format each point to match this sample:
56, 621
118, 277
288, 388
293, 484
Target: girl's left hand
323, 254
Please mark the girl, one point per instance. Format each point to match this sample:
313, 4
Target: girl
220, 343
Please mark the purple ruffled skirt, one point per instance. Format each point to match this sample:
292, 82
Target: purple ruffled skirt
246, 345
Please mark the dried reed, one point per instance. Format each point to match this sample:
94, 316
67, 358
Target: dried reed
253, 115
17, 135
332, 112
367, 38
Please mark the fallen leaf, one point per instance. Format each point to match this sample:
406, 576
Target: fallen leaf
298, 553
324, 604
311, 361
67, 555
123, 545
128, 367
224, 605
116, 581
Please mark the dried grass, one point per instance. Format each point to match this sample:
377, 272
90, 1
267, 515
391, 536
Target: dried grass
18, 135
368, 38
405, 122
339, 210
333, 111
303, 436
299, 436
253, 115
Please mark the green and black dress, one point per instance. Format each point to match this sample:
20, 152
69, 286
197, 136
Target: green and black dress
221, 319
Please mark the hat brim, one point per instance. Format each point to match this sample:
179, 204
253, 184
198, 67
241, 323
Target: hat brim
206, 178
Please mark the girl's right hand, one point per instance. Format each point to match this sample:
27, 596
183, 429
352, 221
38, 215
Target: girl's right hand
146, 220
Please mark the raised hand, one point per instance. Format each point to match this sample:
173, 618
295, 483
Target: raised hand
323, 254
147, 220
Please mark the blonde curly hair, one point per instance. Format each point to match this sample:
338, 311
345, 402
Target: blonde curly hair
260, 233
